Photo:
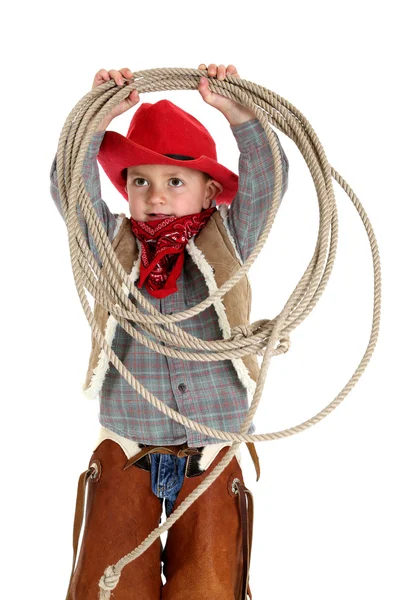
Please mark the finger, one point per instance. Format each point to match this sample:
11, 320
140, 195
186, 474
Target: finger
103, 74
203, 82
123, 76
231, 70
221, 72
202, 66
134, 97
212, 69
100, 77
116, 75
126, 73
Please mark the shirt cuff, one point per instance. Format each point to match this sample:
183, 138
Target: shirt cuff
249, 134
95, 143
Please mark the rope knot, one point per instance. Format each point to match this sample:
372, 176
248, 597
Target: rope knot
246, 331
110, 579
241, 331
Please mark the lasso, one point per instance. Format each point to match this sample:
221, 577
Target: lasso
264, 337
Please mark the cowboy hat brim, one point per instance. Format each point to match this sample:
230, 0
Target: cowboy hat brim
117, 153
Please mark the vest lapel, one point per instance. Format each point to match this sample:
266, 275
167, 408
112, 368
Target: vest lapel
126, 250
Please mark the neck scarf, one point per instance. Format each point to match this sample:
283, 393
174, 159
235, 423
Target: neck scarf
163, 244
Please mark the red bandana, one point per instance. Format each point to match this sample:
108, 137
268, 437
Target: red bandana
163, 244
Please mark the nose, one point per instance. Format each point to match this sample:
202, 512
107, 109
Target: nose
156, 196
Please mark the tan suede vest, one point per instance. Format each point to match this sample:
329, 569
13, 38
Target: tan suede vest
217, 261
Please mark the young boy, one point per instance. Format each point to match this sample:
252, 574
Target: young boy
178, 248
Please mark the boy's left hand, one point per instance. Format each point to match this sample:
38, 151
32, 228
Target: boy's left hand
235, 113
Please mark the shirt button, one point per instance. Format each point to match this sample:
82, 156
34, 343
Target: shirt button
182, 388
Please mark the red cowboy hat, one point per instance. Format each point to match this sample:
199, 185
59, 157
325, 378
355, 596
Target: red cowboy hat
164, 134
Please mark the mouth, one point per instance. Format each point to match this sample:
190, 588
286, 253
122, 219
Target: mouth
158, 215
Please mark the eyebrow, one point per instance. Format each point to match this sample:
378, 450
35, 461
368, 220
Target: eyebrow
169, 174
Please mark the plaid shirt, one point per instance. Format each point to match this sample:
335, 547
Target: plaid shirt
208, 392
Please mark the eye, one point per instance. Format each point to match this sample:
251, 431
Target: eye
176, 179
139, 179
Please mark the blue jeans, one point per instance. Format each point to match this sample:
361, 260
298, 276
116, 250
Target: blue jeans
167, 477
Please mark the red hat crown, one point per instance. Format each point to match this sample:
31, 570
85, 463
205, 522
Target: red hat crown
161, 128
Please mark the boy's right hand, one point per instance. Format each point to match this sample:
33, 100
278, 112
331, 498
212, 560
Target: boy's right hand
118, 76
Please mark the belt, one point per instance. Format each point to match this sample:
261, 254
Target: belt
142, 459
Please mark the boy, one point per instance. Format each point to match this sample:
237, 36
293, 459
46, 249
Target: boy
178, 247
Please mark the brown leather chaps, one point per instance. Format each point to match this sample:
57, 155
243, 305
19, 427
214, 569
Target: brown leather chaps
207, 552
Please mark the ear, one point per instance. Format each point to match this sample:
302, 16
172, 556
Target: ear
214, 188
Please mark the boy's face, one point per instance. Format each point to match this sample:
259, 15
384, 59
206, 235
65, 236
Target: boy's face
156, 190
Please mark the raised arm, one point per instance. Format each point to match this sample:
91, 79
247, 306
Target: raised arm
91, 177
248, 212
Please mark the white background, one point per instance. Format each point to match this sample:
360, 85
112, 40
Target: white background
326, 506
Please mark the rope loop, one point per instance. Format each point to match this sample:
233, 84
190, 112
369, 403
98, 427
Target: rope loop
283, 346
109, 284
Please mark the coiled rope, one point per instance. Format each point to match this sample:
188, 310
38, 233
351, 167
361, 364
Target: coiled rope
260, 337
